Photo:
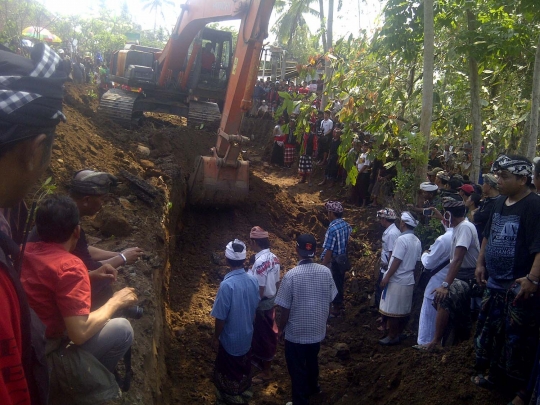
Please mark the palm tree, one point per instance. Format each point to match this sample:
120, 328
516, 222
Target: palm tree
292, 18
156, 6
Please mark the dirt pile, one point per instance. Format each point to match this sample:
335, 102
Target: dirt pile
183, 266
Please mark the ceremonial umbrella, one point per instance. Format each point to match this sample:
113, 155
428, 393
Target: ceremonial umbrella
43, 34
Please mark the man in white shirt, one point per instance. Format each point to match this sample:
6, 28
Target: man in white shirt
327, 126
398, 282
437, 261
387, 218
453, 296
265, 334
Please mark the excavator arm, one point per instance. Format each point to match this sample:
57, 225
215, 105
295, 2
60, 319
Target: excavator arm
222, 179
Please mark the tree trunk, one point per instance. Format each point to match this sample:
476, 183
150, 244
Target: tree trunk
427, 82
476, 112
532, 137
323, 26
329, 42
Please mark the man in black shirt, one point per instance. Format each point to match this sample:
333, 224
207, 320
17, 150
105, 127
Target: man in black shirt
490, 193
507, 329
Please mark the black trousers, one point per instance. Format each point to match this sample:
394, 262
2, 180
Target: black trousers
339, 279
303, 366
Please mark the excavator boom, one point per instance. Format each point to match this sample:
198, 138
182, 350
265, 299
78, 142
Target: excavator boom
223, 179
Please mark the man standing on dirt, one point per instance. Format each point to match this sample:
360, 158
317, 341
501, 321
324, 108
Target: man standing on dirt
32, 94
234, 310
327, 126
266, 270
334, 254
387, 218
510, 254
304, 299
453, 296
398, 282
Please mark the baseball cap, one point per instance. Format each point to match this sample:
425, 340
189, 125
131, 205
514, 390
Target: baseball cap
467, 188
306, 245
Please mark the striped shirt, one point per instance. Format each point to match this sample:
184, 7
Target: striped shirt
336, 238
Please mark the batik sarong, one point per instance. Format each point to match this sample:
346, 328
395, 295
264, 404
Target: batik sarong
232, 378
265, 335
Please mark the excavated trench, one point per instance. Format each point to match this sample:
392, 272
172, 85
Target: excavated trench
183, 267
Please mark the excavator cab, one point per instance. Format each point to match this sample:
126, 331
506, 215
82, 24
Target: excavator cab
209, 64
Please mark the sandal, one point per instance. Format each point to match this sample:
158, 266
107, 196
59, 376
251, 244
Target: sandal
482, 382
521, 395
260, 380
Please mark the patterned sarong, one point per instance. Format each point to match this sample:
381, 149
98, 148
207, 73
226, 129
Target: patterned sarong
458, 304
265, 335
289, 153
232, 378
506, 335
305, 165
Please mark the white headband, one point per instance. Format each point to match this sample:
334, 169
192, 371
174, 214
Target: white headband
408, 219
231, 254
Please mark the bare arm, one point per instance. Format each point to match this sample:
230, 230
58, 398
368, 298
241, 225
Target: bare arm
261, 291
99, 254
114, 258
528, 288
327, 258
480, 272
218, 327
82, 328
391, 271
455, 265
283, 319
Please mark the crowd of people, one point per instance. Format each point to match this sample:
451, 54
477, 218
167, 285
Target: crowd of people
246, 332
484, 266
60, 316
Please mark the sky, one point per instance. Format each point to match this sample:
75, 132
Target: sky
346, 21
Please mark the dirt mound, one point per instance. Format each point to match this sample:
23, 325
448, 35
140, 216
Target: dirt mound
177, 297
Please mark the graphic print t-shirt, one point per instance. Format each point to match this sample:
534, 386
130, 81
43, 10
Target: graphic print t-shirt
513, 238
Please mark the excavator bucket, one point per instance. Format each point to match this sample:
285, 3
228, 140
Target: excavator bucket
213, 183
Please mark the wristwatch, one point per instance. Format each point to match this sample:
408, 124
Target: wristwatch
444, 284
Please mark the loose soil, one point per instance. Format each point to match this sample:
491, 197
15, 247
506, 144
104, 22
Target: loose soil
178, 279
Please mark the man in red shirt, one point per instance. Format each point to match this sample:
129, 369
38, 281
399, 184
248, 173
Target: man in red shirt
32, 93
207, 58
58, 287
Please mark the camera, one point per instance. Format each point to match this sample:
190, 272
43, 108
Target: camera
134, 312
427, 212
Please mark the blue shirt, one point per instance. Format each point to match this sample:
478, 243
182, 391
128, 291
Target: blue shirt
236, 303
336, 237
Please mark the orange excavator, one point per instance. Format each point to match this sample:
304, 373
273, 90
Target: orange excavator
198, 66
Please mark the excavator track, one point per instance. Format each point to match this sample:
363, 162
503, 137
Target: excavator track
201, 112
118, 105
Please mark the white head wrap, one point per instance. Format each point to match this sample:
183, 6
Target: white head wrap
231, 254
427, 186
408, 219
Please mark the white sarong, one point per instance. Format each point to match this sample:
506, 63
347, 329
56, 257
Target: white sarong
396, 300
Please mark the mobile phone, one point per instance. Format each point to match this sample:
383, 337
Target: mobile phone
427, 212
516, 288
